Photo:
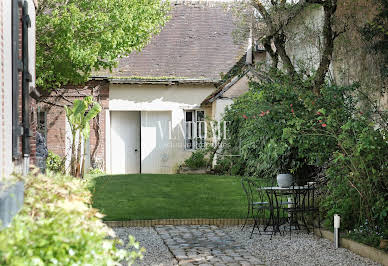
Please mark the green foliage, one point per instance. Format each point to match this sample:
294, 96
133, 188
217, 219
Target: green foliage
297, 131
75, 38
95, 171
275, 112
55, 163
366, 234
229, 165
57, 226
358, 174
79, 116
196, 160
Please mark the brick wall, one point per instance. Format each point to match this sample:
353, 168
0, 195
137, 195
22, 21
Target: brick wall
56, 118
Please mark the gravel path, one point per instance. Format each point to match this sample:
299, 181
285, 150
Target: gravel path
212, 245
301, 249
156, 253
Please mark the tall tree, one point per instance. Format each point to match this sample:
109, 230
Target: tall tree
76, 37
277, 15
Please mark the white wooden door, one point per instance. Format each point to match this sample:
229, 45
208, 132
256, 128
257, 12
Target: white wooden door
125, 142
155, 142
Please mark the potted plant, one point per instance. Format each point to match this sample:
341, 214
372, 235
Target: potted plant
284, 178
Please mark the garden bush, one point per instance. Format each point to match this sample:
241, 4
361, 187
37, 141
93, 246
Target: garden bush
283, 126
197, 159
55, 163
57, 226
96, 171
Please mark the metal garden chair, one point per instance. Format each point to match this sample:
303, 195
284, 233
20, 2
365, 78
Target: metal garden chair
257, 203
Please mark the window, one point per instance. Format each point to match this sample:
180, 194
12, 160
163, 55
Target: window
195, 129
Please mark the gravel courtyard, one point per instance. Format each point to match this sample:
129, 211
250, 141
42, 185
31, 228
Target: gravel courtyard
212, 245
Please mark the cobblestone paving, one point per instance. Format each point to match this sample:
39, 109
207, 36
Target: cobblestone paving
204, 245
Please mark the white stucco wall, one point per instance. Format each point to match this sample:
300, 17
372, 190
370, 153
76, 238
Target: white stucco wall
238, 89
173, 98
304, 38
6, 90
219, 106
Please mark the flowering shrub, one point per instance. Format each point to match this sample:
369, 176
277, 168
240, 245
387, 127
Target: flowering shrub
57, 226
283, 127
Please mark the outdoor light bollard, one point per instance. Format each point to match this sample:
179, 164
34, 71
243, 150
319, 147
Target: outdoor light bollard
337, 219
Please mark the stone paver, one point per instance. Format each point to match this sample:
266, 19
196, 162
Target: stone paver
204, 245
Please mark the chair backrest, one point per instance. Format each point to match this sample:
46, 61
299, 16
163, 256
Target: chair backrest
246, 187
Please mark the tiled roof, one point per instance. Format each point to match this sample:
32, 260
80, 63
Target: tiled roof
196, 43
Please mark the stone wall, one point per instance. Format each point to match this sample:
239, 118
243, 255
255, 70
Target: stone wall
351, 60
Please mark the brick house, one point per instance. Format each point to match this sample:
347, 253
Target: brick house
17, 86
152, 117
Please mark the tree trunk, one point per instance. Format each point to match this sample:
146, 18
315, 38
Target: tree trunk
280, 41
78, 154
73, 155
329, 36
96, 127
83, 161
268, 47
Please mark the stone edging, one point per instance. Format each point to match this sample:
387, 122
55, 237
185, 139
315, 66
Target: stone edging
358, 248
202, 221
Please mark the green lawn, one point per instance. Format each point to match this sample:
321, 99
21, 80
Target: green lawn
148, 196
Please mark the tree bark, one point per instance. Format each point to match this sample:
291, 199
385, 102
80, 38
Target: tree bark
78, 160
280, 43
329, 36
268, 47
277, 35
73, 156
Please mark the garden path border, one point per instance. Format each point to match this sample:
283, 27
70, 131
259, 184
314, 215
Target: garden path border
358, 248
193, 221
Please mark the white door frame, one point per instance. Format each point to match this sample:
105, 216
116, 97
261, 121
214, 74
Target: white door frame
107, 142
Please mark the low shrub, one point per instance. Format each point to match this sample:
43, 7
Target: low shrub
57, 226
55, 163
196, 160
96, 171
365, 234
229, 165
